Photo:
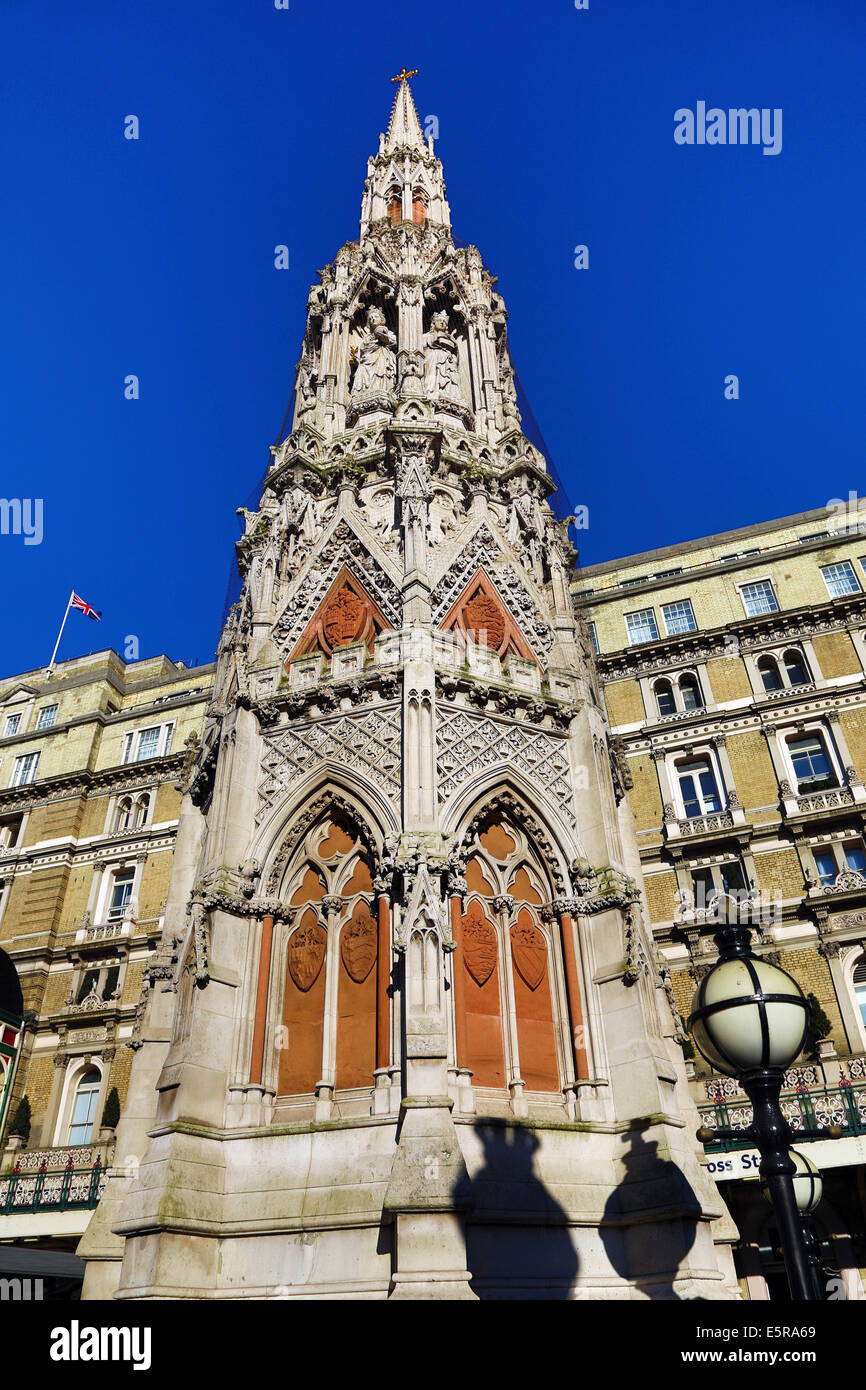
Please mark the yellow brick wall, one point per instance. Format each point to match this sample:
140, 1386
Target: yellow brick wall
812, 974
754, 776
624, 703
780, 873
684, 989
728, 679
645, 798
660, 890
836, 655
853, 724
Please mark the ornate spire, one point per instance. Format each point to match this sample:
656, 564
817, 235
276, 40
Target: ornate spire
404, 127
404, 178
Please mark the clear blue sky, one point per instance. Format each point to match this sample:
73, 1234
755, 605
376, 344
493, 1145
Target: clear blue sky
155, 257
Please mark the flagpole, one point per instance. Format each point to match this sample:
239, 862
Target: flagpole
60, 633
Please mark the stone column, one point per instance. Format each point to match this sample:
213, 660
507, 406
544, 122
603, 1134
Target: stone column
382, 1099
463, 1075
572, 987
332, 907
259, 1023
428, 1187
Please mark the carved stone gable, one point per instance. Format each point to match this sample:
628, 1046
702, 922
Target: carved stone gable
346, 614
344, 553
477, 558
480, 613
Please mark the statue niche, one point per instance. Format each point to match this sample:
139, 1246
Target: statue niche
442, 376
376, 362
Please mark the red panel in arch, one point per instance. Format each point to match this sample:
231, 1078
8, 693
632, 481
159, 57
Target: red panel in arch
481, 992
304, 1011
356, 1007
535, 1036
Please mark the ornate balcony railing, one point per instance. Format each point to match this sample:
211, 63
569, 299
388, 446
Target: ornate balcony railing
807, 1108
828, 800
805, 688
66, 1190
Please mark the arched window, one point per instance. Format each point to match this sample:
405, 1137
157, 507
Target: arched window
698, 788
691, 692
507, 957
123, 814
796, 668
394, 203
769, 673
83, 1115
142, 806
811, 762
333, 932
419, 207
665, 698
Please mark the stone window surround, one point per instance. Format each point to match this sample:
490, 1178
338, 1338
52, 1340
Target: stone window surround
103, 880
18, 761
698, 669
131, 737
776, 650
715, 749
835, 841
115, 799
62, 1107
24, 707
766, 578
835, 746
842, 965
683, 868
118, 958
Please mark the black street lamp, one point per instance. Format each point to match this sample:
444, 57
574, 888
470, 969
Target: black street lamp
808, 1191
749, 1020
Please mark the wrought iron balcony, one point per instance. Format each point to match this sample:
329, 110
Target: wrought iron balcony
807, 1108
69, 1189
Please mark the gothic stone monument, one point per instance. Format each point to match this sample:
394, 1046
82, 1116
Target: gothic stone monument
406, 1036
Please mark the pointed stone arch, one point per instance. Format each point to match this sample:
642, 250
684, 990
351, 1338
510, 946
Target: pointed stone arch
330, 791
332, 961
512, 1018
504, 789
346, 614
482, 615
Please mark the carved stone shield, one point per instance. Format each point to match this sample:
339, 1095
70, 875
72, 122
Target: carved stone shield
358, 944
529, 952
485, 619
307, 954
479, 944
343, 619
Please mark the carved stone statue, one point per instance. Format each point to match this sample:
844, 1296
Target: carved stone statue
306, 389
442, 377
526, 528
376, 364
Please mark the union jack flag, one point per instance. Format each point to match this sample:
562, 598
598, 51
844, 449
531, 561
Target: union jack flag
85, 608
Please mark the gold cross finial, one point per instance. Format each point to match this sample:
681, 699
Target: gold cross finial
405, 75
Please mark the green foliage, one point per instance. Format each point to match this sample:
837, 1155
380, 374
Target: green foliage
111, 1113
819, 1025
21, 1119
